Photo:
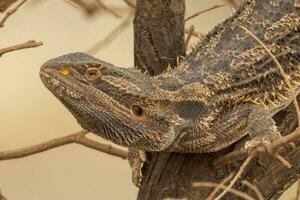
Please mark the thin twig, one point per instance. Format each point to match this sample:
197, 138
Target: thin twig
195, 33
88, 7
129, 3
285, 77
283, 160
72, 3
25, 45
204, 11
254, 188
11, 10
78, 138
216, 190
233, 3
298, 190
4, 4
188, 37
238, 175
110, 37
109, 10
231, 190
262, 148
2, 197
297, 3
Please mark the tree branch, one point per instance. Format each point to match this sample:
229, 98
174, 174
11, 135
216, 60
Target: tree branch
110, 37
11, 10
25, 45
204, 11
2, 197
78, 138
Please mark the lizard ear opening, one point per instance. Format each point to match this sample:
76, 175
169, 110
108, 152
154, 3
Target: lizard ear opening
137, 110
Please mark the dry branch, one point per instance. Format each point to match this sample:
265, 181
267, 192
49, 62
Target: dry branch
188, 37
11, 10
238, 175
72, 3
231, 190
109, 10
25, 45
129, 3
298, 191
204, 11
216, 190
254, 188
2, 197
78, 138
297, 3
233, 3
4, 4
110, 37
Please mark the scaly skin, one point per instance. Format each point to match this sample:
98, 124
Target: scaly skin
227, 88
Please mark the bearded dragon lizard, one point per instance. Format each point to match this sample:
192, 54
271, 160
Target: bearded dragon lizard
227, 88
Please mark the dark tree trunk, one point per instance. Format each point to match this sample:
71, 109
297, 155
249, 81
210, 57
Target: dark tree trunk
159, 27
158, 34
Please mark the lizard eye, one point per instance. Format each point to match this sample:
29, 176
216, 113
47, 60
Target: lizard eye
137, 110
64, 71
92, 73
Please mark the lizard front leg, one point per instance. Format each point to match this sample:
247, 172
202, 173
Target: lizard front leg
136, 159
262, 128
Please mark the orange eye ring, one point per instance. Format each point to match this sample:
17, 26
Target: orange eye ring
92, 73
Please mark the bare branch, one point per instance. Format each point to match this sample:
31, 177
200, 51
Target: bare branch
233, 3
297, 3
110, 37
11, 10
254, 188
109, 10
129, 3
4, 4
89, 8
78, 138
195, 33
204, 11
188, 37
238, 175
2, 197
298, 191
216, 190
25, 45
72, 3
231, 190
283, 160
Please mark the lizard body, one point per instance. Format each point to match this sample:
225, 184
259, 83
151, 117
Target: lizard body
228, 87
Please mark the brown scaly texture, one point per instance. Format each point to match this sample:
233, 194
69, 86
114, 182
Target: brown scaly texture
227, 88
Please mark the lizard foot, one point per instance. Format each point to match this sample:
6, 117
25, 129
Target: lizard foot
136, 158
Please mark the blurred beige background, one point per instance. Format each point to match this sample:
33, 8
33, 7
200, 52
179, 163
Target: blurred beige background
29, 114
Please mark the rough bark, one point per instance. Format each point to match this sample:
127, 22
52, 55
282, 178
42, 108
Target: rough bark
171, 175
158, 34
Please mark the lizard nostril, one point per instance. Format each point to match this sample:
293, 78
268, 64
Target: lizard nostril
92, 73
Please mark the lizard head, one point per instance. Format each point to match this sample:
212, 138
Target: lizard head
112, 102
